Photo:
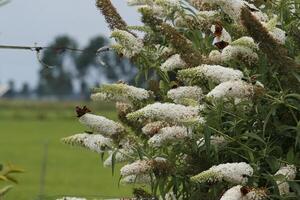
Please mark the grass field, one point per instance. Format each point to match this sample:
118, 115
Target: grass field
25, 129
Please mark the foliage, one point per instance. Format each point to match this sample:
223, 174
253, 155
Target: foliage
6, 172
237, 134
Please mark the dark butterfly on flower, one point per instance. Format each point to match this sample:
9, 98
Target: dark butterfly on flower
82, 111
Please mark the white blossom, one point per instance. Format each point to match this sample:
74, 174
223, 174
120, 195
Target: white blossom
137, 179
120, 156
243, 53
289, 173
131, 45
214, 73
137, 167
94, 142
101, 125
153, 128
169, 135
174, 62
241, 49
215, 56
120, 92
237, 173
178, 95
165, 112
233, 8
232, 89
278, 34
140, 167
235, 193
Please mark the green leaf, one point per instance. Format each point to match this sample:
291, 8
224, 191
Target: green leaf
5, 190
255, 136
290, 155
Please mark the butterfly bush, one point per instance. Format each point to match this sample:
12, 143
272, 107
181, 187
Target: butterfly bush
237, 173
214, 112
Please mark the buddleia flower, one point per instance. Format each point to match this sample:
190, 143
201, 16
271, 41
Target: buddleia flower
165, 112
99, 124
278, 34
93, 142
172, 63
131, 44
287, 173
244, 193
214, 73
180, 94
137, 179
153, 128
120, 92
238, 90
141, 166
168, 135
237, 173
233, 8
215, 56
241, 49
122, 155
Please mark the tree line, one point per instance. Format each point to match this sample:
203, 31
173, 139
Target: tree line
70, 74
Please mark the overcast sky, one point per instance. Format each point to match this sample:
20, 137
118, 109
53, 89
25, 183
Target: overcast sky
26, 22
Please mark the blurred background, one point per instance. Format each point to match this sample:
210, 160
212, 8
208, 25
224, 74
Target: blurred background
38, 94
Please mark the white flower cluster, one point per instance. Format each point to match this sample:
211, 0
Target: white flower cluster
127, 43
238, 90
235, 193
278, 34
180, 94
237, 173
137, 179
214, 73
169, 135
142, 167
122, 155
153, 128
203, 18
71, 198
165, 112
101, 125
120, 92
289, 173
94, 142
174, 62
233, 8
136, 168
161, 8
241, 49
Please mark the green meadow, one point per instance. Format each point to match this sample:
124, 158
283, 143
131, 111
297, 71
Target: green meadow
30, 138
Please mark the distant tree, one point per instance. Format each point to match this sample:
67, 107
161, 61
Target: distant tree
11, 93
25, 90
57, 81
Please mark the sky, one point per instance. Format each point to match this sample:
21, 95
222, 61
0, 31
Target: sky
29, 22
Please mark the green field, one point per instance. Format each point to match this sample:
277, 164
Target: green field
27, 128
